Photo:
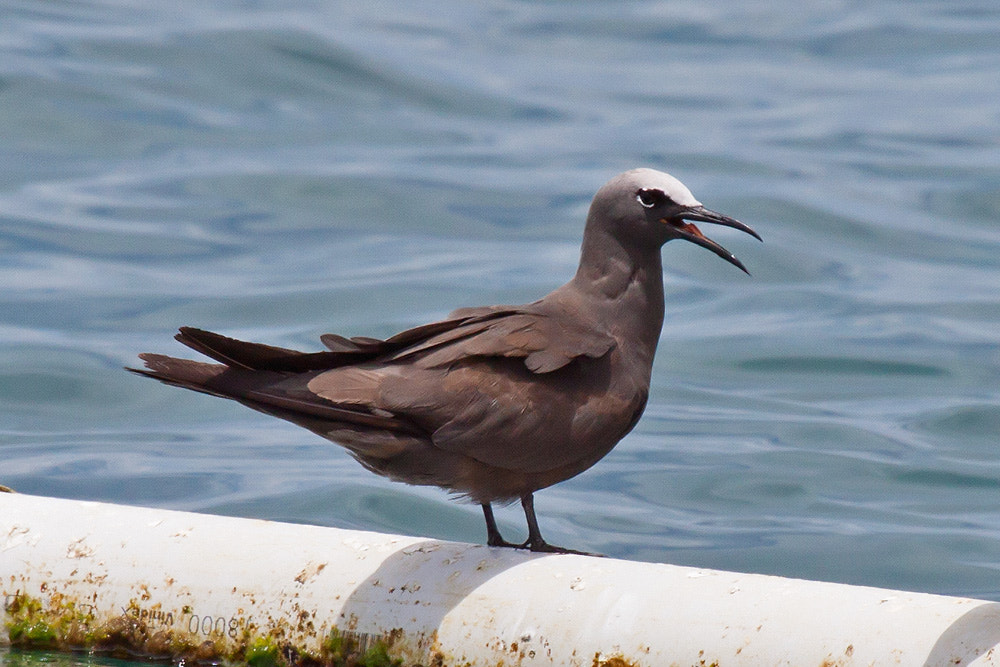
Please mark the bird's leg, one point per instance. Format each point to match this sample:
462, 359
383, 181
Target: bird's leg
535, 542
493, 536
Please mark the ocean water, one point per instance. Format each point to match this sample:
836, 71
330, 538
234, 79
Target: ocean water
276, 171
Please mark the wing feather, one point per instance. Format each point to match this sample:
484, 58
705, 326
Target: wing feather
545, 343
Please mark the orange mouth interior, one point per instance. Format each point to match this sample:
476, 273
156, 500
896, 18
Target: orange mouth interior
686, 227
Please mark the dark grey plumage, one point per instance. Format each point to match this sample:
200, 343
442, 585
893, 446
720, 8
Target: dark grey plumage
493, 403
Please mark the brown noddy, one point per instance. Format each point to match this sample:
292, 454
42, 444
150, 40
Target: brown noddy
493, 403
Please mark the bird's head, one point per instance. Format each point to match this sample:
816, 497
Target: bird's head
654, 207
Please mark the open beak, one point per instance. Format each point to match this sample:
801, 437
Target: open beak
689, 232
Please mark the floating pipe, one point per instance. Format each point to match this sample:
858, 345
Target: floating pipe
210, 587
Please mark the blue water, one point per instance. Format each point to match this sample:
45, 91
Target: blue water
275, 173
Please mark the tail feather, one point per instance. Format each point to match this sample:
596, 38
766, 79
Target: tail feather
253, 389
180, 372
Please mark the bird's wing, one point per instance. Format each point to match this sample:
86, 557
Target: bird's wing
545, 341
460, 382
471, 388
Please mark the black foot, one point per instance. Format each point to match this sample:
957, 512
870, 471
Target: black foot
500, 542
544, 547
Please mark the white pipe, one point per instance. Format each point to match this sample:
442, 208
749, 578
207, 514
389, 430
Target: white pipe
213, 584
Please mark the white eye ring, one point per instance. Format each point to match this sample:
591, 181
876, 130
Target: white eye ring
647, 204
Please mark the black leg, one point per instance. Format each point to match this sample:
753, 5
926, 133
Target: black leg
493, 536
535, 541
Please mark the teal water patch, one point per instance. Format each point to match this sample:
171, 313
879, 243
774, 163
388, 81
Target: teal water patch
970, 422
840, 365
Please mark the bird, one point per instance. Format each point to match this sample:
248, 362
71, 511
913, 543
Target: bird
492, 403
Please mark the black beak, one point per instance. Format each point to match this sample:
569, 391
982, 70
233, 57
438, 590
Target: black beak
690, 232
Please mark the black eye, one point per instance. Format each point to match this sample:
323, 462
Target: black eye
650, 197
